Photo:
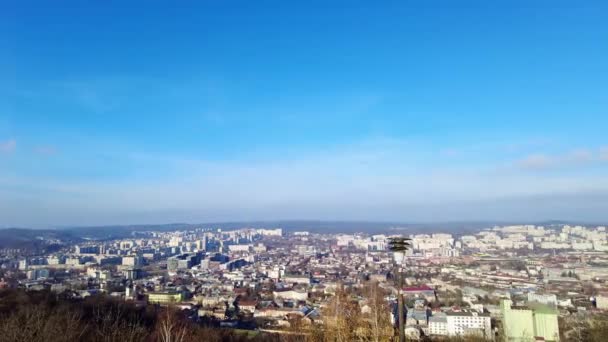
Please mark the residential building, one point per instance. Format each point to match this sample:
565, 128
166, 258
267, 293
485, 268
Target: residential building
461, 323
165, 297
438, 325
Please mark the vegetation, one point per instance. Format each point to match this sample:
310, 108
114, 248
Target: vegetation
589, 329
43, 316
35, 241
595, 330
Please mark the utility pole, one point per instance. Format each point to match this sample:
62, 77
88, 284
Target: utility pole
400, 307
398, 245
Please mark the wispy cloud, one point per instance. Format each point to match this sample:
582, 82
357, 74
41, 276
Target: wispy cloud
604, 153
574, 158
536, 161
377, 179
8, 146
498, 147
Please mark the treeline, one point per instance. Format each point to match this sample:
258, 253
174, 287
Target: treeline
43, 316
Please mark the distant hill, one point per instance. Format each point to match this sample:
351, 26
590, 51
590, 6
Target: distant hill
118, 231
316, 226
34, 239
19, 236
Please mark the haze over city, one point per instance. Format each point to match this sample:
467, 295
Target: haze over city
116, 113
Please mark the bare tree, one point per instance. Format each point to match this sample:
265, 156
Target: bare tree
170, 328
342, 318
379, 313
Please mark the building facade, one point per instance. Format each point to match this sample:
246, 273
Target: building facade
529, 324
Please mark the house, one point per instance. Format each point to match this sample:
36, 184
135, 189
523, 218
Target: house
214, 312
296, 279
247, 305
278, 312
423, 291
88, 293
379, 277
601, 302
290, 294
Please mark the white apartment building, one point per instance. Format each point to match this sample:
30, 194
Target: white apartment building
133, 261
296, 279
345, 240
73, 261
554, 245
582, 245
54, 260
438, 325
239, 248
460, 323
127, 244
175, 241
548, 299
270, 232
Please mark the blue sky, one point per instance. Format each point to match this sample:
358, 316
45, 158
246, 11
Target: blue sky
146, 112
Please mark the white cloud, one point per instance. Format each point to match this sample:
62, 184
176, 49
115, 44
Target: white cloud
336, 179
380, 179
604, 153
574, 158
536, 161
580, 156
8, 146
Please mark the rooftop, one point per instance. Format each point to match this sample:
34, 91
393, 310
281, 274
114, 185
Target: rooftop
418, 288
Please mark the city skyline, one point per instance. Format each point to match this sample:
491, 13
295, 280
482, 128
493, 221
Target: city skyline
504, 282
142, 113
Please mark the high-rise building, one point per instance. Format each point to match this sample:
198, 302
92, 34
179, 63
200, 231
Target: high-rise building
87, 249
201, 245
132, 260
175, 241
37, 274
183, 262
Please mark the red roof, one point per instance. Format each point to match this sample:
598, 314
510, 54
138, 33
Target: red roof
248, 303
422, 288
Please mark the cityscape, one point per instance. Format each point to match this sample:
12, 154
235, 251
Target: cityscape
303, 171
511, 283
